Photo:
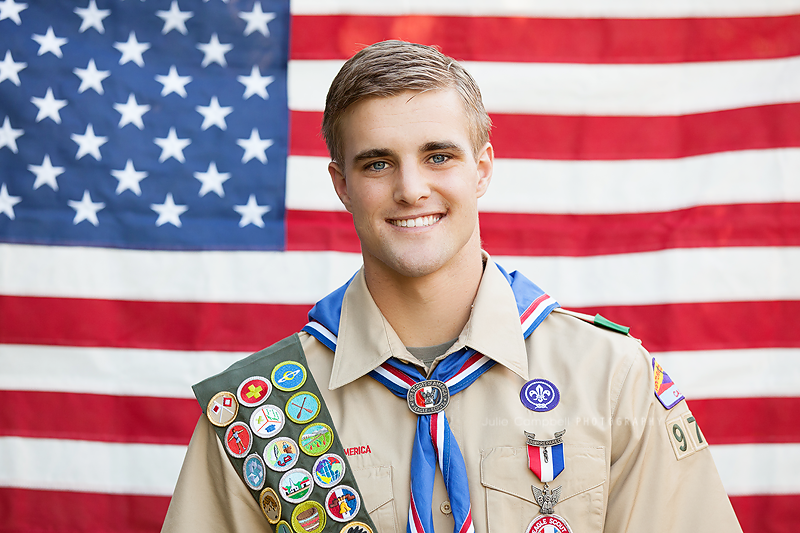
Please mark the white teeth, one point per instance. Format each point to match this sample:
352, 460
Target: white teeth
417, 222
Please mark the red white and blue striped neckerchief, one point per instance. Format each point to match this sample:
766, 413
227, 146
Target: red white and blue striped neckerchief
434, 442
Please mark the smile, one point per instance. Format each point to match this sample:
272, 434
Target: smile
418, 222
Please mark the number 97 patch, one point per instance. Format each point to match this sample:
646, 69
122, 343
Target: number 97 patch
685, 435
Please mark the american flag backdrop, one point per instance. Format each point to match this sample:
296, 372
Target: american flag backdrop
165, 210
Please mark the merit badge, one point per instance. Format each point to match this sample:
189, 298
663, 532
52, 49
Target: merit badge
328, 470
281, 454
303, 407
238, 439
270, 505
308, 517
428, 397
222, 409
316, 439
356, 527
296, 485
551, 523
283, 527
666, 390
267, 421
288, 376
254, 472
253, 391
342, 503
539, 395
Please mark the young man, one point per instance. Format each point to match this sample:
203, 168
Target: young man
553, 422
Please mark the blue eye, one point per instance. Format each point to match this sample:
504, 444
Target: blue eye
378, 165
438, 158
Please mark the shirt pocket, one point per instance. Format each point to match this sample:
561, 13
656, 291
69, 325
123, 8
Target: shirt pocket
510, 504
375, 484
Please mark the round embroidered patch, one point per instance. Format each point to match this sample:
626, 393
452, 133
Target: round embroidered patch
222, 409
288, 376
342, 503
308, 517
267, 421
296, 485
539, 395
302, 408
281, 454
270, 505
254, 472
356, 527
428, 397
254, 391
238, 439
283, 527
548, 523
328, 470
316, 439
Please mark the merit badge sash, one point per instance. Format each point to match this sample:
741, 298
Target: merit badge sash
279, 436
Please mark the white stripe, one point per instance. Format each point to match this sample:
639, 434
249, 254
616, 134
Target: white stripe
114, 371
758, 468
322, 330
763, 373
668, 276
537, 313
547, 466
467, 372
391, 377
598, 89
599, 187
83, 466
440, 417
552, 8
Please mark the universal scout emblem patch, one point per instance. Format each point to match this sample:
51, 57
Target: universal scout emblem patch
280, 438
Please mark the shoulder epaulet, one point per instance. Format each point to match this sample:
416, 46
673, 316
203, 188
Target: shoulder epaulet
598, 320
271, 418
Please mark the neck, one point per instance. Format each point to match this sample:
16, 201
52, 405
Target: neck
431, 309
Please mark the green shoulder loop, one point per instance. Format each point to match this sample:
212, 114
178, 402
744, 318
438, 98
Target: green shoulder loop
277, 432
598, 320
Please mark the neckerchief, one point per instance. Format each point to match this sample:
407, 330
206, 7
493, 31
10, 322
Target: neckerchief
434, 441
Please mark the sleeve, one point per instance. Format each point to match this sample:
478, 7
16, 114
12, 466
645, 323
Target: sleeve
662, 475
209, 496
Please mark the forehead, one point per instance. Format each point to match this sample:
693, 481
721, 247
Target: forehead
405, 121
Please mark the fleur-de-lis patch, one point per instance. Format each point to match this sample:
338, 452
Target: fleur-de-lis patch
539, 395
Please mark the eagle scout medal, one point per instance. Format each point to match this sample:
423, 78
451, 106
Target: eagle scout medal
308, 517
316, 439
270, 505
539, 395
665, 389
428, 397
267, 421
238, 439
356, 527
288, 376
222, 409
281, 454
283, 527
296, 485
546, 460
253, 391
254, 472
328, 470
302, 408
342, 503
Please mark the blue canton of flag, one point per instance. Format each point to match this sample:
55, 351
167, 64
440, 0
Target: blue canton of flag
159, 124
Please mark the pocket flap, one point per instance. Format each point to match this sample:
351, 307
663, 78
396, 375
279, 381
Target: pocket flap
375, 484
506, 469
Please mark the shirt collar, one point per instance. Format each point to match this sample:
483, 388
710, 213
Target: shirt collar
366, 339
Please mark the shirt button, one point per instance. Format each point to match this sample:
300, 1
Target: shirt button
445, 507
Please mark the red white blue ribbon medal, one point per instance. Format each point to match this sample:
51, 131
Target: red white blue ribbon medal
546, 460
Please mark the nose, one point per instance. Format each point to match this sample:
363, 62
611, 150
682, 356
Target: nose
411, 185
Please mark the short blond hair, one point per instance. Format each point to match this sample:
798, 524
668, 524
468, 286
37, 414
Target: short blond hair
389, 68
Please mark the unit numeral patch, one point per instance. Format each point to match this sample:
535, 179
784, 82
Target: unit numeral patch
685, 435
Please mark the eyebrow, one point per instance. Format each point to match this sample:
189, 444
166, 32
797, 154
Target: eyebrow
373, 153
435, 146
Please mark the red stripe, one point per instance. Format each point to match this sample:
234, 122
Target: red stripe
399, 374
774, 513
97, 417
434, 424
44, 511
79, 322
531, 308
468, 363
776, 224
415, 516
756, 420
467, 523
570, 138
554, 40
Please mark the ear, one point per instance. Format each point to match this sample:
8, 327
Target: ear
339, 183
485, 168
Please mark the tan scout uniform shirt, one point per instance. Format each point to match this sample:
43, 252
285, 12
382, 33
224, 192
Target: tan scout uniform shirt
621, 472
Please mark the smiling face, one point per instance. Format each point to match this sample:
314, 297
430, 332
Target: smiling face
411, 181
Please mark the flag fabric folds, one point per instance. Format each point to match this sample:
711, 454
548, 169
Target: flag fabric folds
165, 210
